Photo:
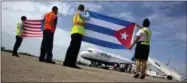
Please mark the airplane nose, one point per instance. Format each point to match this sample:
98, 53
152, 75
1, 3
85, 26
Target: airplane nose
83, 54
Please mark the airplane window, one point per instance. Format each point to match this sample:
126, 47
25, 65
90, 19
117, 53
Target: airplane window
105, 55
157, 64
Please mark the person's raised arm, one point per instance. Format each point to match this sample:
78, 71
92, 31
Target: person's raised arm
138, 26
138, 34
134, 42
85, 15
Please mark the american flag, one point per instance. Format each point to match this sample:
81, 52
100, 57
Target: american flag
33, 28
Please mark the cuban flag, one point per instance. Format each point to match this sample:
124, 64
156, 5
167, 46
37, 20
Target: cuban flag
108, 32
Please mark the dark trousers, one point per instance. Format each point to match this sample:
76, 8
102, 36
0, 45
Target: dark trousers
73, 49
17, 44
47, 45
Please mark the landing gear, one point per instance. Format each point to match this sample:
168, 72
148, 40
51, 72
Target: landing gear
106, 67
169, 77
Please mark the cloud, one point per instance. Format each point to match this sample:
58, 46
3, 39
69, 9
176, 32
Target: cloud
124, 16
181, 36
38, 8
64, 8
92, 6
19, 6
167, 7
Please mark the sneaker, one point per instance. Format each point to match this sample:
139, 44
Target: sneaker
41, 60
142, 76
50, 61
65, 64
72, 66
77, 67
136, 75
15, 55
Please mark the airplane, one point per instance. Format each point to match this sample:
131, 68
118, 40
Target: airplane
164, 69
99, 57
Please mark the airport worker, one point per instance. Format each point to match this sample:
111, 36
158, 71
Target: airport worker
19, 33
76, 36
142, 41
50, 22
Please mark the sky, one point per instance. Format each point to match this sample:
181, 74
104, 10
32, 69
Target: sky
168, 25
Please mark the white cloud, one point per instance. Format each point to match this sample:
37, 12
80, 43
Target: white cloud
181, 36
93, 7
63, 7
37, 8
156, 32
90, 6
124, 16
161, 4
19, 6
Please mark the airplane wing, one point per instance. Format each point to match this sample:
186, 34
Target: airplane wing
121, 60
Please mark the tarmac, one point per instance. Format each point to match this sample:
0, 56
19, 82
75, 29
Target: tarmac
29, 69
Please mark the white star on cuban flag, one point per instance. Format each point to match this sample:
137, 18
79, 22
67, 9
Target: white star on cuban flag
125, 34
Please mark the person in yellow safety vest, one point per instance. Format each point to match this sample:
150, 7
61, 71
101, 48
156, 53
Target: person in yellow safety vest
19, 32
76, 36
142, 49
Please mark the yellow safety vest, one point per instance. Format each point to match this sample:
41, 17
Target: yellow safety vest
148, 32
18, 30
78, 24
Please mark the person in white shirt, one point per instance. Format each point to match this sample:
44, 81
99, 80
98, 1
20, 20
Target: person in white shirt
142, 42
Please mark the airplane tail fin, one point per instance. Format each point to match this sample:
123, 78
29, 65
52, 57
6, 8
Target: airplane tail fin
168, 63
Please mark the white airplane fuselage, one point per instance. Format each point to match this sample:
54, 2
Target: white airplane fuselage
103, 57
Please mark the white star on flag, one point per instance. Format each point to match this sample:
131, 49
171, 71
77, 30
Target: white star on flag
124, 36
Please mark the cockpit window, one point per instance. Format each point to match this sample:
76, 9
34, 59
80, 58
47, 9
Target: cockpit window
89, 50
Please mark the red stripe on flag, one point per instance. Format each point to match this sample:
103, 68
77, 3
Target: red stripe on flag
32, 28
33, 23
25, 35
31, 36
30, 32
33, 20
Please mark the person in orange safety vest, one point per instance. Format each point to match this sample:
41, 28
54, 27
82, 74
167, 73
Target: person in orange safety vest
49, 23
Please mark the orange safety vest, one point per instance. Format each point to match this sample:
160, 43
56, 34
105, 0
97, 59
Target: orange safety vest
49, 22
